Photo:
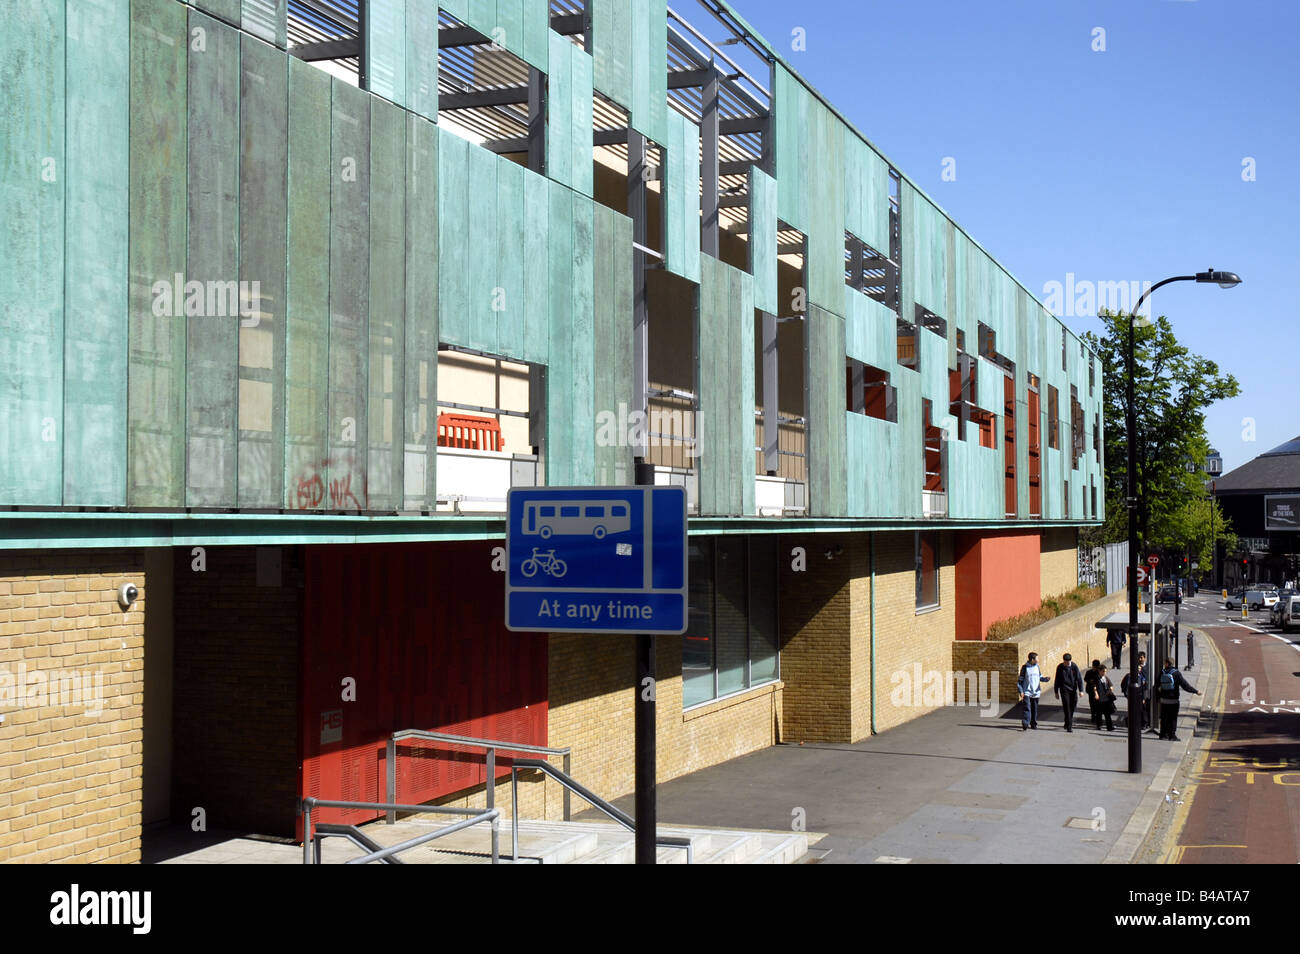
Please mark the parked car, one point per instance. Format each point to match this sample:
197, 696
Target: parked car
1290, 615
1235, 599
1275, 611
1258, 598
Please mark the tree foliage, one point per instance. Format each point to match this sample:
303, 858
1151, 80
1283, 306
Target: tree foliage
1172, 390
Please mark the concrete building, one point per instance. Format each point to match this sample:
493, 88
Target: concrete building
1262, 499
296, 292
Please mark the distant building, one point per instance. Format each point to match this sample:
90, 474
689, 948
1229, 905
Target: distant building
1262, 499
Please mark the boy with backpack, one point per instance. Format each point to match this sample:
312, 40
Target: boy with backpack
1171, 680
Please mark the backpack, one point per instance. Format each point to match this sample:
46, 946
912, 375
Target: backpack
1168, 685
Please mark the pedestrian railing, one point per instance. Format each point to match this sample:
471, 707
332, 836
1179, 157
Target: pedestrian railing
586, 795
311, 853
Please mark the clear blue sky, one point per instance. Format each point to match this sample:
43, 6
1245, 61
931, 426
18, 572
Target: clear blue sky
1122, 165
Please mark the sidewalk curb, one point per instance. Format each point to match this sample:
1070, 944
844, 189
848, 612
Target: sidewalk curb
1130, 841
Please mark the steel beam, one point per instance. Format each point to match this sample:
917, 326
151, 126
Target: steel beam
771, 408
709, 132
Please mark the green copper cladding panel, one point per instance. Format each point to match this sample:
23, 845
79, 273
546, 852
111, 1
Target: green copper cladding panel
508, 294
866, 193
682, 197
826, 413
762, 239
157, 253
212, 265
421, 351
97, 216
387, 308
453, 254
569, 116
513, 24
536, 268
611, 48
726, 387
612, 380
227, 10
386, 44
791, 115
925, 246
581, 392
823, 179
32, 282
266, 20
559, 398
479, 232
421, 56
263, 236
349, 293
307, 346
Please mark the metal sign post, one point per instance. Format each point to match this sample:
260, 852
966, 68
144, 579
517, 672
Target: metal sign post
604, 560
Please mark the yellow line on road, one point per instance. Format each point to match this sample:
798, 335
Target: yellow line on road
1174, 855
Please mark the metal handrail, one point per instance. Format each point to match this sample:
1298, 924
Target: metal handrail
353, 834
623, 818
307, 804
490, 745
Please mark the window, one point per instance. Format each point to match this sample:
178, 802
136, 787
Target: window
1063, 348
1053, 418
927, 570
1065, 498
1077, 435
928, 319
870, 272
731, 643
869, 391
1092, 373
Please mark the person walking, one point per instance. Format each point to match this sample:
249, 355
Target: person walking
1171, 680
1104, 692
1117, 640
1068, 685
1145, 686
1029, 686
1089, 690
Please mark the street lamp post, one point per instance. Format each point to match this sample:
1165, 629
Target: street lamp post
1223, 280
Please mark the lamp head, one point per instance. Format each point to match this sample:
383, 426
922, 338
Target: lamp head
1222, 279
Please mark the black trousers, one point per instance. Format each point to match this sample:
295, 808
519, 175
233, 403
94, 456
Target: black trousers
1069, 701
1094, 710
1168, 718
1117, 655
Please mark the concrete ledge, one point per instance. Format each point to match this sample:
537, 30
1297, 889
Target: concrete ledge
1073, 632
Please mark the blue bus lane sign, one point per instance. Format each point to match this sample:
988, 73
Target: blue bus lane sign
596, 560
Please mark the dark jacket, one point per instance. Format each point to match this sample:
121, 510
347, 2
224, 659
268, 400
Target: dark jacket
1179, 683
1068, 677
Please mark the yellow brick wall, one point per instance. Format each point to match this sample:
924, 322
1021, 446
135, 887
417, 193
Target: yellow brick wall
590, 711
1058, 561
70, 777
817, 652
1073, 633
904, 637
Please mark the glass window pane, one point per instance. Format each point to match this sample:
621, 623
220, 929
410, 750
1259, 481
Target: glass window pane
730, 616
927, 569
697, 643
763, 632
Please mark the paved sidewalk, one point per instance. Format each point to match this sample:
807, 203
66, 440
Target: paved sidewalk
951, 787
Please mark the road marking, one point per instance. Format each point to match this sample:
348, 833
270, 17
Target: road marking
893, 860
1244, 626
1294, 646
1183, 811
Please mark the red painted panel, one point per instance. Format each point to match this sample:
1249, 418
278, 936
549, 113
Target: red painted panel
997, 576
420, 629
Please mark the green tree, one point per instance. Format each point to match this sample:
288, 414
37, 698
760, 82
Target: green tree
1172, 390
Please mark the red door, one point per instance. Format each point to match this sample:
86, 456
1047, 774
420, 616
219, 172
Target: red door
410, 636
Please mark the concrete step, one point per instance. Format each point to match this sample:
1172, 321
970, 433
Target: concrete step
551, 842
